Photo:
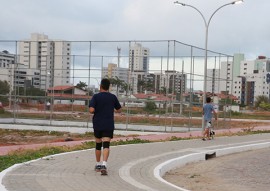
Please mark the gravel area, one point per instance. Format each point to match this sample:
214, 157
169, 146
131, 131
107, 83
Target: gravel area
246, 171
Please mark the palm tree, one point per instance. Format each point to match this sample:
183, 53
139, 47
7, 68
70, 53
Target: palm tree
81, 85
125, 87
115, 81
141, 85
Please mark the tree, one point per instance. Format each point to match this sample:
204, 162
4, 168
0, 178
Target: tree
261, 99
141, 85
264, 106
118, 83
150, 106
163, 90
125, 87
81, 85
4, 87
115, 81
4, 90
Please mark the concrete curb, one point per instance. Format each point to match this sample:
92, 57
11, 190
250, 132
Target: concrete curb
161, 169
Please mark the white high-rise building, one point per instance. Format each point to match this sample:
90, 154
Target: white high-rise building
254, 80
216, 81
246, 79
139, 58
51, 57
138, 65
221, 80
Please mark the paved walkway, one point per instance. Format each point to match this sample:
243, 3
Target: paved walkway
131, 167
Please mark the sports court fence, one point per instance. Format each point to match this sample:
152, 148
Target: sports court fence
41, 77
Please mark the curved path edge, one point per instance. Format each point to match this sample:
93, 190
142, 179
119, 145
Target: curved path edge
4, 172
171, 164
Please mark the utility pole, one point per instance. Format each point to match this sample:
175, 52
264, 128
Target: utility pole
118, 61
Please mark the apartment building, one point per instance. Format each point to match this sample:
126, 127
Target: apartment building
7, 62
245, 79
112, 71
139, 58
50, 57
253, 80
215, 82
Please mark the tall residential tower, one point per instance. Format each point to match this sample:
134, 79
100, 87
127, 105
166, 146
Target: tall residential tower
50, 57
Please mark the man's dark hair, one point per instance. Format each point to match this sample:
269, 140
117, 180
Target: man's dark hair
208, 100
105, 84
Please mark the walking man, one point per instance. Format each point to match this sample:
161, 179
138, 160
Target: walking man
103, 105
208, 111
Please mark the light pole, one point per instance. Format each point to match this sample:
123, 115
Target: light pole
207, 23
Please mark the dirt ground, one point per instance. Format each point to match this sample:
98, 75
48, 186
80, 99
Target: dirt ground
18, 137
247, 171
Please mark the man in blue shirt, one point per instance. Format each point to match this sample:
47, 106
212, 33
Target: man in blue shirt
208, 111
103, 105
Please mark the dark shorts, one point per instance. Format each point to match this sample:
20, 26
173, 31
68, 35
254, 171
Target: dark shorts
101, 134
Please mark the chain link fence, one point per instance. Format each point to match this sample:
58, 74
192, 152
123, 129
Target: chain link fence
49, 82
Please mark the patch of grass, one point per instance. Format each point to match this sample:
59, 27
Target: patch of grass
174, 138
21, 156
131, 141
194, 175
252, 132
5, 114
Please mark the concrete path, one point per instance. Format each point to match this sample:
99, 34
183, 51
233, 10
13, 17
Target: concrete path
131, 167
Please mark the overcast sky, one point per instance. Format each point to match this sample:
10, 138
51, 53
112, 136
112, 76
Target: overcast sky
243, 28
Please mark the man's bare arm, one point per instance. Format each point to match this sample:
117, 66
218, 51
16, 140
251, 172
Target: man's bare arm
92, 110
215, 114
118, 110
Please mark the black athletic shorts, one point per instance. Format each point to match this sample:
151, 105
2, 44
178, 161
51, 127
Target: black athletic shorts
101, 134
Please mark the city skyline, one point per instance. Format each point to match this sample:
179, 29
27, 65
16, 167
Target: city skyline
235, 29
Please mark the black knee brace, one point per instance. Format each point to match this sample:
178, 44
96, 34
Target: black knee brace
98, 146
106, 144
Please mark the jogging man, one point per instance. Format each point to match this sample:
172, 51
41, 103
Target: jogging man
103, 105
208, 111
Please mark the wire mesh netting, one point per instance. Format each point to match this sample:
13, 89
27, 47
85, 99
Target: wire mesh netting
159, 83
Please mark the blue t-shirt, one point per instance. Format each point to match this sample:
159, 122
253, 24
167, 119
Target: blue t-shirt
104, 104
208, 110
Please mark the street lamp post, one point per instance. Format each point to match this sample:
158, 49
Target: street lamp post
207, 23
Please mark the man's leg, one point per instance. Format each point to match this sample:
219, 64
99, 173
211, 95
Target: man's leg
98, 149
106, 148
207, 133
203, 130
106, 153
